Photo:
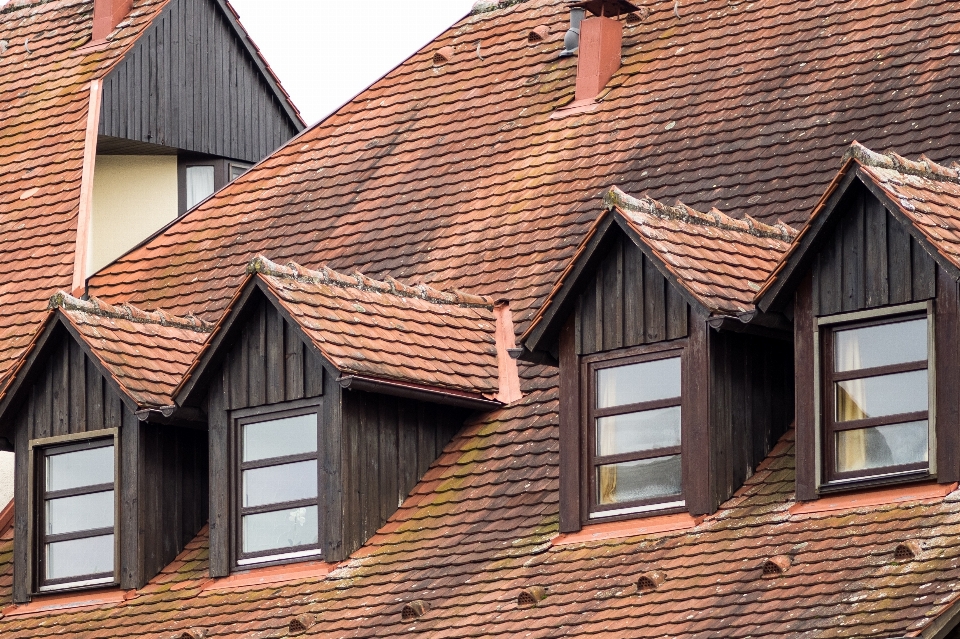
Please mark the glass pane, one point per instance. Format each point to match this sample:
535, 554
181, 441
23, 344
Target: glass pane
644, 479
280, 530
277, 484
80, 557
893, 445
82, 468
879, 396
84, 512
280, 437
881, 345
645, 382
638, 431
200, 184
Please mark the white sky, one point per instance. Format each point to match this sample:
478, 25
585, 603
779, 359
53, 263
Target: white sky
327, 51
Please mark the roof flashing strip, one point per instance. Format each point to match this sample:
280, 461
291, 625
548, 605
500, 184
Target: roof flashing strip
475, 401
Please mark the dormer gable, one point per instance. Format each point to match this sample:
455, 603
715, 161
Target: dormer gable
94, 389
872, 286
368, 363
632, 316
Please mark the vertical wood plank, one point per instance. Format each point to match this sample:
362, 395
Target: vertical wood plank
293, 360
370, 467
42, 401
697, 440
256, 351
570, 471
275, 381
805, 406
947, 335
676, 313
220, 468
876, 286
407, 444
588, 319
77, 403
924, 282
389, 459
830, 274
112, 409
94, 397
238, 376
899, 262
334, 490
313, 375
852, 260
655, 303
22, 510
352, 491
612, 275
632, 295
131, 484
60, 387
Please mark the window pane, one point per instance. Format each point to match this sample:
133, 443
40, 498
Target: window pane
644, 479
893, 445
80, 557
280, 437
280, 530
277, 484
82, 468
644, 382
884, 395
200, 184
84, 512
638, 431
881, 345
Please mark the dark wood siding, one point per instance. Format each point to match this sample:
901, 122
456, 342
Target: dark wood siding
869, 261
628, 303
375, 448
751, 391
388, 445
162, 483
189, 83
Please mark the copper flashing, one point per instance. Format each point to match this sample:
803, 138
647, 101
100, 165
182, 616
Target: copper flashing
453, 397
81, 255
630, 528
107, 14
871, 498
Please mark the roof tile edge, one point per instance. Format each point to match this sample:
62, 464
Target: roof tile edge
486, 6
95, 306
924, 167
325, 275
615, 198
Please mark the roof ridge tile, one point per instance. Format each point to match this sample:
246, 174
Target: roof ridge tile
615, 198
96, 306
390, 286
924, 167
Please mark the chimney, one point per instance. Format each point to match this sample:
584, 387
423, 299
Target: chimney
599, 40
107, 14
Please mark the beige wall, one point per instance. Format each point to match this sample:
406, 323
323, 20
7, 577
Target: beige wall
133, 196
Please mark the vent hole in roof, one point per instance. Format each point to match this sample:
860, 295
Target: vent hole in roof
531, 596
538, 35
650, 581
776, 566
301, 623
442, 56
196, 633
636, 17
414, 610
906, 551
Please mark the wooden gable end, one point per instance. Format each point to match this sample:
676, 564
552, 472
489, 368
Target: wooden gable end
868, 259
191, 83
628, 302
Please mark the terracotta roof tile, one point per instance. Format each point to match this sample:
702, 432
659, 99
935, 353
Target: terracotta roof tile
388, 330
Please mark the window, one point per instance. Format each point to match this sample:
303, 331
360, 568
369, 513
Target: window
235, 170
876, 398
75, 512
634, 435
278, 484
200, 184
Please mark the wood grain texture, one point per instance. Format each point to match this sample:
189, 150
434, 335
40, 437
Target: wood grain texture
698, 442
805, 422
947, 335
570, 470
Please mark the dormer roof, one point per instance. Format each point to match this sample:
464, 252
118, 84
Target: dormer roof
385, 333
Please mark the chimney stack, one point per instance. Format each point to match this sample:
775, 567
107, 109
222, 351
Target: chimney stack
107, 14
600, 43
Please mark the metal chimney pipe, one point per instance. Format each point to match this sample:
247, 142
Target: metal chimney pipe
571, 41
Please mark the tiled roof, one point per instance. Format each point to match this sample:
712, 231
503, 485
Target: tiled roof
147, 354
45, 72
390, 331
479, 529
455, 174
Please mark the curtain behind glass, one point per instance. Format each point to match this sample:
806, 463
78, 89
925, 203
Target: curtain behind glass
200, 184
852, 448
607, 396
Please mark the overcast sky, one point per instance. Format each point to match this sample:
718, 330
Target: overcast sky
327, 51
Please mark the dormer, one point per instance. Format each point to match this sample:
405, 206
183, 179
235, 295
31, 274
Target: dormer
872, 286
186, 110
672, 387
328, 397
110, 483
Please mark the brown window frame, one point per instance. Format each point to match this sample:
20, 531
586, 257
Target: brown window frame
38, 449
239, 418
592, 461
828, 326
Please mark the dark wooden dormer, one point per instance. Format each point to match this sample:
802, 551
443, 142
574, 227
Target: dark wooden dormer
629, 304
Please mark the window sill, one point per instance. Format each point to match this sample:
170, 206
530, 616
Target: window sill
873, 497
274, 574
632, 528
49, 603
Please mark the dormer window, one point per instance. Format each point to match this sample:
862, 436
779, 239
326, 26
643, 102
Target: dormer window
635, 428
877, 397
279, 509
76, 509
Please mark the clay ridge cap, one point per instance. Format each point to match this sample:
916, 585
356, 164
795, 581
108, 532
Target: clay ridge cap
614, 198
361, 282
924, 167
95, 306
486, 6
